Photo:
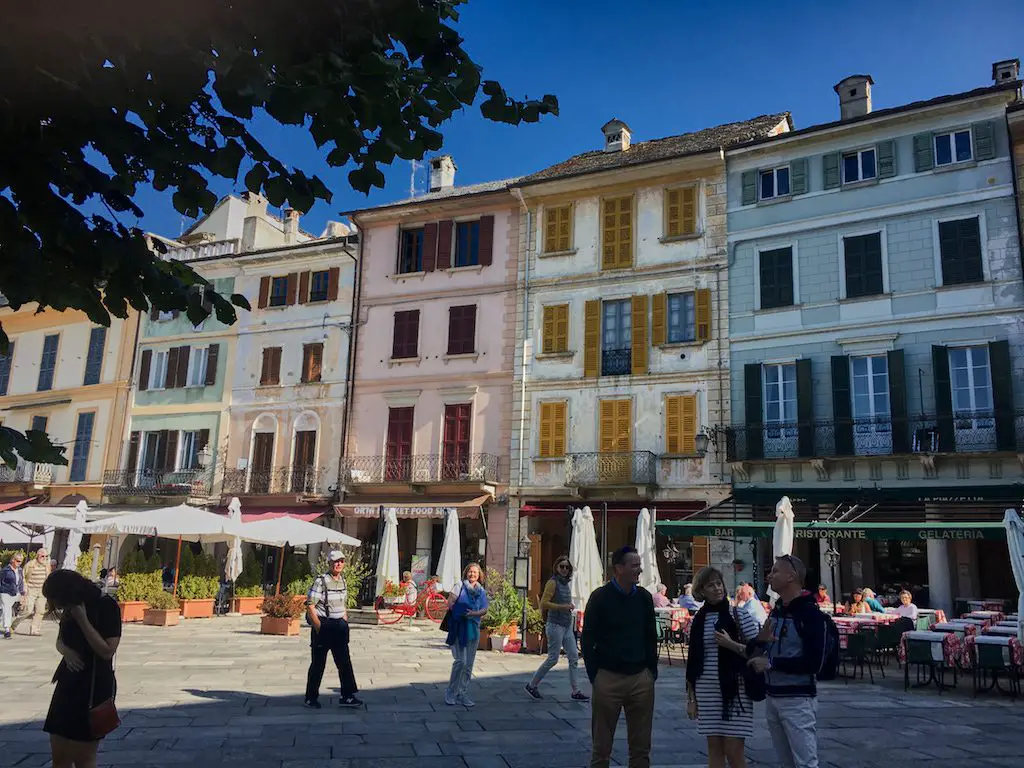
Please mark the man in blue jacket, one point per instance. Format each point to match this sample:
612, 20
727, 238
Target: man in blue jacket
12, 589
794, 642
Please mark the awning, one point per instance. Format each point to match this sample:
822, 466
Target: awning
270, 514
435, 508
7, 504
667, 510
954, 494
906, 531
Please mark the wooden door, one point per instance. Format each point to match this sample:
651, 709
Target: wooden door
455, 450
398, 452
262, 462
303, 471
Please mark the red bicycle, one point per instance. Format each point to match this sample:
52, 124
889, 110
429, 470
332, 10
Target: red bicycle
391, 610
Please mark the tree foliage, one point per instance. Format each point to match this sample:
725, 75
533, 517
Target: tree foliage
105, 96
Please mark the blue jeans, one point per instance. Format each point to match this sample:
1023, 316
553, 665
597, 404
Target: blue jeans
463, 657
560, 637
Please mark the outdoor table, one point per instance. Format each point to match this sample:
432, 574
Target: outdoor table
985, 605
678, 618
1013, 653
993, 615
1001, 631
945, 651
1014, 624
960, 630
972, 622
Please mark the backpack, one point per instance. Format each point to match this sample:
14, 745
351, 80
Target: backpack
829, 669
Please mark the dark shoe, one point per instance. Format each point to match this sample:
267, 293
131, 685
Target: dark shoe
350, 702
534, 693
312, 704
579, 696
7, 635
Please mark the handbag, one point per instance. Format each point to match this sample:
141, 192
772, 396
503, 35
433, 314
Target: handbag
103, 717
754, 682
446, 620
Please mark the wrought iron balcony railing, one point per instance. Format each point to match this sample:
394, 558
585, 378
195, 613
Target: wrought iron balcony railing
616, 362
422, 468
618, 468
151, 482
306, 480
27, 472
961, 432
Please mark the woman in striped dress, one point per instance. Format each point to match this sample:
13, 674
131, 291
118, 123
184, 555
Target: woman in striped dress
716, 697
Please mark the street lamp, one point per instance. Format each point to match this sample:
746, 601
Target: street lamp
832, 560
704, 438
205, 456
521, 579
671, 553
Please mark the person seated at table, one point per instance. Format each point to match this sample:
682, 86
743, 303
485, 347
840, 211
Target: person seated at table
409, 586
660, 598
747, 599
857, 606
821, 596
872, 601
906, 608
686, 599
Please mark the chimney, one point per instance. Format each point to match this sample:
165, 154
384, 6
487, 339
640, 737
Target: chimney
336, 229
256, 205
854, 96
616, 135
291, 226
442, 173
1005, 71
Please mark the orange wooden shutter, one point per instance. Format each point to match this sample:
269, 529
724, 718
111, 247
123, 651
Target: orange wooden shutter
672, 407
659, 319
673, 212
548, 332
558, 425
623, 425
303, 296
606, 426
700, 552
639, 335
544, 443
687, 423
688, 211
702, 314
592, 338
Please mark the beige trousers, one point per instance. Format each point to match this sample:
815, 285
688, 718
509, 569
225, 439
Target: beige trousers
613, 693
33, 606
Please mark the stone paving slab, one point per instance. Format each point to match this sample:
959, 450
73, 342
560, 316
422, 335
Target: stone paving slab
217, 693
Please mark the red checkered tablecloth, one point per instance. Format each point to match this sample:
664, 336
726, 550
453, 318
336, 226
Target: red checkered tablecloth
951, 648
968, 651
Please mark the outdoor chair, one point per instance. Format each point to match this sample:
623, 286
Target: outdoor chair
888, 643
990, 661
919, 655
663, 626
858, 653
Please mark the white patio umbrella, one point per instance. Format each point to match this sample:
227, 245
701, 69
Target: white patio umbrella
782, 536
1015, 543
233, 564
387, 557
588, 574
40, 518
649, 576
72, 551
449, 566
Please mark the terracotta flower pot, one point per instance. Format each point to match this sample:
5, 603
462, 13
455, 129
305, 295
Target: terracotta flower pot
197, 609
161, 617
247, 606
272, 626
485, 638
533, 641
133, 610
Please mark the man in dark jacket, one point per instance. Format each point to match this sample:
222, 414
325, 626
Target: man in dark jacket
794, 639
12, 589
620, 651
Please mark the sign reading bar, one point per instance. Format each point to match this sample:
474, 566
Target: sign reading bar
896, 531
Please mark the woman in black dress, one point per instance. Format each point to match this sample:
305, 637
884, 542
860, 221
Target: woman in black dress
90, 630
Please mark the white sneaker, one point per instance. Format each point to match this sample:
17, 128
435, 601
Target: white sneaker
465, 701
450, 700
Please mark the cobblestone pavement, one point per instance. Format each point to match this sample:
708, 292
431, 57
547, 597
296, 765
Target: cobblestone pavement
216, 692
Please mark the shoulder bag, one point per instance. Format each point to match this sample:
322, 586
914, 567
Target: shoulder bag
103, 717
754, 682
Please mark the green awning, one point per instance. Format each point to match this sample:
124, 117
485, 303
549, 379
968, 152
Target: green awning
820, 530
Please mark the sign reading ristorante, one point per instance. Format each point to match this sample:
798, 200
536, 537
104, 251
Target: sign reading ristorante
901, 531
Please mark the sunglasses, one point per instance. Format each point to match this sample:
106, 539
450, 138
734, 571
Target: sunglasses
563, 566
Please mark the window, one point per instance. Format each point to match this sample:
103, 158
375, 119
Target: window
681, 318
188, 450
872, 430
462, 330
774, 182
556, 329
615, 436
970, 380
312, 362
5, 369
779, 393
960, 251
953, 147
398, 451
94, 357
455, 442
617, 233
270, 372
863, 265
616, 338
680, 211
776, 273
197, 367
278, 291
410, 255
557, 228
859, 166
406, 340
681, 424
304, 462
83, 441
39, 423
318, 285
48, 363
551, 443
467, 243
158, 370
163, 317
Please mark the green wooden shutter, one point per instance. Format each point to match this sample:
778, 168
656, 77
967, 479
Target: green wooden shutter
755, 420
898, 402
842, 405
886, 153
830, 170
943, 398
804, 409
924, 152
749, 185
798, 176
984, 140
1002, 394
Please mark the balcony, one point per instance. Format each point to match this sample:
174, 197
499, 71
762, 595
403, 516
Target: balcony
27, 472
610, 469
616, 362
303, 480
203, 250
964, 432
423, 468
188, 483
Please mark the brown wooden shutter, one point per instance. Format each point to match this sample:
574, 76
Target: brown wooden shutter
702, 315
154, 313
592, 338
672, 424
558, 420
550, 230
673, 212
303, 296
444, 244
429, 247
333, 275
271, 373
264, 292
171, 375
293, 286
183, 354
687, 424
659, 319
144, 364
545, 450
204, 439
211, 364
548, 333
700, 551
688, 217
170, 456
268, 355
133, 452
639, 335
486, 240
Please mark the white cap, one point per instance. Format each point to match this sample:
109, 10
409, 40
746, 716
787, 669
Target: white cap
335, 554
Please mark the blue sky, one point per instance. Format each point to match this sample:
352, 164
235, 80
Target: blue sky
668, 67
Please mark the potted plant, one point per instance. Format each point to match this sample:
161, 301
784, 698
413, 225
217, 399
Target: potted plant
247, 600
281, 615
197, 595
134, 592
533, 633
393, 593
162, 611
501, 636
504, 611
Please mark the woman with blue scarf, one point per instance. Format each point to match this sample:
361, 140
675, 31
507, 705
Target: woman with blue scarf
468, 603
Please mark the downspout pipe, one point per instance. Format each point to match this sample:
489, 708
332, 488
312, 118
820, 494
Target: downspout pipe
353, 348
526, 336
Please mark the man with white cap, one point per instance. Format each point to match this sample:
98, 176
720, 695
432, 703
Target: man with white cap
327, 609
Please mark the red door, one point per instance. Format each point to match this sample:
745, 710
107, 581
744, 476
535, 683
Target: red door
398, 454
455, 456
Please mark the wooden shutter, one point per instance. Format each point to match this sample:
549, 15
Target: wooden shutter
406, 334
804, 408
552, 430
659, 319
550, 229
700, 550
898, 402
615, 425
943, 398
171, 374
293, 287
1002, 394
638, 331
170, 455
269, 372
212, 353
689, 201
183, 355
830, 170
429, 246
203, 439
556, 329
798, 176
592, 338
262, 459
399, 444
486, 240
624, 425
702, 314
673, 212
154, 313
312, 360
145, 361
455, 441
924, 152
748, 183
333, 278
303, 296
444, 244
842, 405
984, 140
886, 153
557, 228
264, 292
617, 233
133, 452
680, 424
754, 405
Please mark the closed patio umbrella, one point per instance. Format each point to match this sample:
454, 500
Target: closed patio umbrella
387, 558
1015, 543
782, 536
233, 564
585, 557
649, 576
449, 566
72, 551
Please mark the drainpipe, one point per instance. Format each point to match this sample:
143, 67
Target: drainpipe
353, 347
526, 337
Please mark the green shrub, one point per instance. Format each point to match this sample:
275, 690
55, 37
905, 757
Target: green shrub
251, 575
301, 586
84, 564
206, 566
187, 563
163, 601
194, 587
254, 591
139, 587
283, 606
295, 567
134, 562
505, 607
534, 619
153, 563
7, 554
355, 572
